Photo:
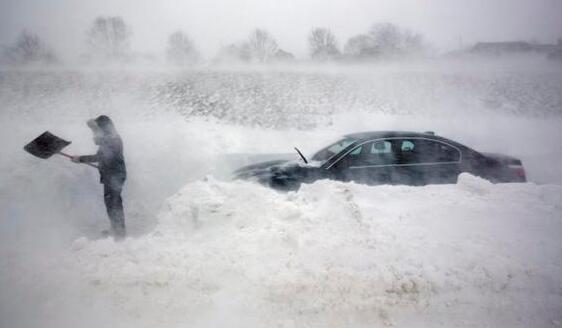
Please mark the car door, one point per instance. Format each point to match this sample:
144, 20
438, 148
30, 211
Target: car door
425, 161
370, 163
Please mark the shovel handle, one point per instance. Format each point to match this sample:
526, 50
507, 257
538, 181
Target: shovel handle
66, 155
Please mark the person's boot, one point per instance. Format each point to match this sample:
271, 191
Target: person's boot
118, 237
118, 232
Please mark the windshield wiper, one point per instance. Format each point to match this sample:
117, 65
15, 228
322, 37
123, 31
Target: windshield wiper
302, 156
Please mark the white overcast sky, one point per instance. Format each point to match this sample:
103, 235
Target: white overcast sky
212, 23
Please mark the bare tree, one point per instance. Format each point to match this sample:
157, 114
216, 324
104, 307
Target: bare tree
262, 45
384, 40
391, 39
109, 38
236, 52
29, 48
323, 44
361, 45
181, 50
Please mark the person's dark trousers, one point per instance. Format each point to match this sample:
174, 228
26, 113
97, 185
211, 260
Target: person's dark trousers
114, 206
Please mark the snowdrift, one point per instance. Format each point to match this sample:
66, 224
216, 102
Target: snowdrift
337, 255
236, 254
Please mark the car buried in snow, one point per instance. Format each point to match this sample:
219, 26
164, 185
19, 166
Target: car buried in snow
387, 157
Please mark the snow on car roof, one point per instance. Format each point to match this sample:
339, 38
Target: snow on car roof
385, 134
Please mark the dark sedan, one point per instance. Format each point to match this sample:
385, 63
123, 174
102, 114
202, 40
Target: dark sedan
387, 157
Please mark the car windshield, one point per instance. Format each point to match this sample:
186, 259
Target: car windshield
331, 150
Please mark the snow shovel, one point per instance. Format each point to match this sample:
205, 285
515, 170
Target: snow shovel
47, 145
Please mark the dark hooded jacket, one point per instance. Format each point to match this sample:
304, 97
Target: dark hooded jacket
110, 152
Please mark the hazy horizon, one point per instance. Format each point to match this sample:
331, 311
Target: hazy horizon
447, 25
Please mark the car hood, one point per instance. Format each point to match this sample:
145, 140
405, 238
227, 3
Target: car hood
264, 169
263, 165
278, 169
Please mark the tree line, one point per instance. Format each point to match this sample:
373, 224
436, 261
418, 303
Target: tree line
108, 39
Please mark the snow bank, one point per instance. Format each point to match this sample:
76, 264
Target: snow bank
338, 255
236, 254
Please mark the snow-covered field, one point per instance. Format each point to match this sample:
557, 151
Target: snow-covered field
208, 252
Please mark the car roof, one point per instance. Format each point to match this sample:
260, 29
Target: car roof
390, 134
364, 136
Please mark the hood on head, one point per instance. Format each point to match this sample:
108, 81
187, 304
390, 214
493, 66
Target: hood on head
101, 124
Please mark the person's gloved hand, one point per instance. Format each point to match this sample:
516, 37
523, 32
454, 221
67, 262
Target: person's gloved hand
75, 159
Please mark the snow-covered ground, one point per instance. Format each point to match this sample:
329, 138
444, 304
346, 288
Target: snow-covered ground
208, 252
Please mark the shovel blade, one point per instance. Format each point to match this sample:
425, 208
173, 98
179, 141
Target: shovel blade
46, 145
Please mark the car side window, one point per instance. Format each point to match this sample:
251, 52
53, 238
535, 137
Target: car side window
423, 151
407, 145
378, 152
381, 147
446, 153
407, 152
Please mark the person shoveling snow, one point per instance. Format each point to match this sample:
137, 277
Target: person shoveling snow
111, 165
113, 172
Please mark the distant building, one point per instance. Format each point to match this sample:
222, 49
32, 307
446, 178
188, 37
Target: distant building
236, 52
512, 47
282, 55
